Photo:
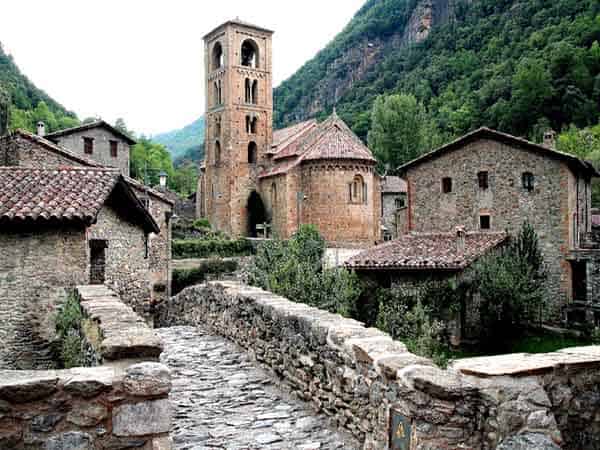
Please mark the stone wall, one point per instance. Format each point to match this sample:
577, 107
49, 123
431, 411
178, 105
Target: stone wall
37, 268
550, 207
367, 381
101, 149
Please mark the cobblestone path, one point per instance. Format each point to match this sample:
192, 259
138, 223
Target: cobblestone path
223, 400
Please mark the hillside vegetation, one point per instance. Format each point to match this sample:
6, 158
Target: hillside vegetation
28, 104
186, 143
520, 66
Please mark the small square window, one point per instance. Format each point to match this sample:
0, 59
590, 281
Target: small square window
400, 203
484, 222
88, 145
446, 185
114, 145
528, 181
482, 178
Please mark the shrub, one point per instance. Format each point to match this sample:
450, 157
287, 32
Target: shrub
68, 329
185, 278
294, 270
511, 286
206, 248
596, 336
201, 224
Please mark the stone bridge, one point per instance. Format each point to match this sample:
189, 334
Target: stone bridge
367, 384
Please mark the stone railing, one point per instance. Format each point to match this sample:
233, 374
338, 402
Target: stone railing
113, 330
122, 403
390, 398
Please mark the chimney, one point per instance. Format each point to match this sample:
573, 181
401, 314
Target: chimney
460, 240
41, 129
550, 139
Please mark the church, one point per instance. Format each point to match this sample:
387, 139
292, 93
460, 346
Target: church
252, 176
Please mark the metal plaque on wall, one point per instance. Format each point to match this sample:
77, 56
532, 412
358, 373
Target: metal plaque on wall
400, 431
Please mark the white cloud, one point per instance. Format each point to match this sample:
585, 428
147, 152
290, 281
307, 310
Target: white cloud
143, 60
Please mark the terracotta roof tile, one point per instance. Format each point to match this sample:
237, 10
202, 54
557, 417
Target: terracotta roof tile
89, 126
427, 251
330, 140
54, 194
285, 135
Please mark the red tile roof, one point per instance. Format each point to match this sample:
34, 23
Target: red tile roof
284, 135
309, 141
393, 185
84, 160
427, 251
65, 194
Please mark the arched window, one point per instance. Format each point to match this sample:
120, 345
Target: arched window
357, 190
217, 56
254, 92
248, 90
218, 127
252, 150
218, 93
217, 153
251, 124
273, 195
249, 54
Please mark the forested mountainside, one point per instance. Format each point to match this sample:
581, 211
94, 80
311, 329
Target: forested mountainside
29, 104
520, 66
184, 143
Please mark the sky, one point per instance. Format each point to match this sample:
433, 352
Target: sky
143, 60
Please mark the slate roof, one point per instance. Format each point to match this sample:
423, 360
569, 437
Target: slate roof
309, 141
393, 185
63, 195
487, 133
89, 126
427, 251
83, 160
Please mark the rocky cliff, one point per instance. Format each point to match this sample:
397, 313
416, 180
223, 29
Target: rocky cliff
357, 52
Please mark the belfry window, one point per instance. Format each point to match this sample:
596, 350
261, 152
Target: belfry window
218, 93
252, 150
254, 92
249, 54
217, 153
251, 124
217, 56
218, 127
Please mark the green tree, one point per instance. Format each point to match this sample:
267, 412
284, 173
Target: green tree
398, 129
4, 110
148, 159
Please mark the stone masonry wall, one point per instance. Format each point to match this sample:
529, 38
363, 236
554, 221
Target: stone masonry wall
37, 267
101, 150
367, 381
122, 404
547, 208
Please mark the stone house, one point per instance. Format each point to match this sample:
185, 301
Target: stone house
320, 174
393, 207
27, 150
491, 182
97, 140
59, 228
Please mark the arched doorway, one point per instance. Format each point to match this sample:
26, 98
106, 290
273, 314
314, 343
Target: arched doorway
256, 213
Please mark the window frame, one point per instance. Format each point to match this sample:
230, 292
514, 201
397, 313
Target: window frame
446, 185
88, 145
528, 181
114, 148
485, 217
483, 180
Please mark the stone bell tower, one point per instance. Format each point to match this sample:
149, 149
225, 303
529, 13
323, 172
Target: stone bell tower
239, 118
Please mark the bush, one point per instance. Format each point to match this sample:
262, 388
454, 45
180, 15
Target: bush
201, 224
185, 278
206, 248
596, 336
68, 328
511, 286
405, 317
294, 270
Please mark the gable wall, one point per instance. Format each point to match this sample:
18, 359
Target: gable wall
101, 152
549, 207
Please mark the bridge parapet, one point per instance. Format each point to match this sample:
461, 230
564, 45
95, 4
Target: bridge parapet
122, 403
391, 398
